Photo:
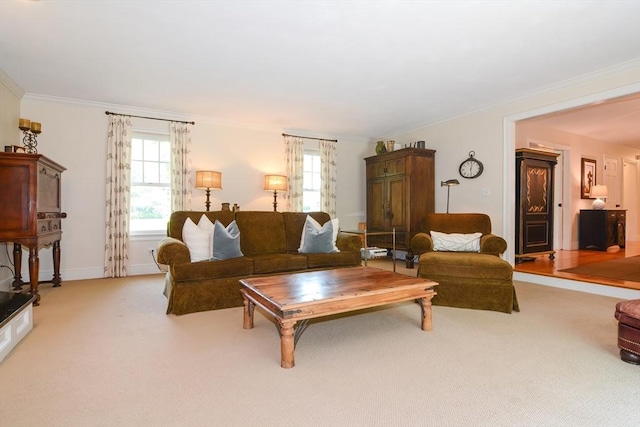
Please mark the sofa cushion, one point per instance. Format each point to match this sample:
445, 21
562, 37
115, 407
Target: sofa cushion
262, 232
276, 263
198, 240
339, 259
226, 241
456, 242
318, 238
210, 270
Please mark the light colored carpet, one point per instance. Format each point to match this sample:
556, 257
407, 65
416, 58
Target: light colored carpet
103, 353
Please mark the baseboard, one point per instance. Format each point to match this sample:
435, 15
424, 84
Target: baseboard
82, 274
604, 290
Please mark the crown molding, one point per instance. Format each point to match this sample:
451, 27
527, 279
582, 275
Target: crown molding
632, 65
11, 85
172, 115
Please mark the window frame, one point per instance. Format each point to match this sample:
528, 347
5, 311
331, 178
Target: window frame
160, 136
315, 152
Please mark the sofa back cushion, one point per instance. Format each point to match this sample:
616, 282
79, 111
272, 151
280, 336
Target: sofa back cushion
464, 223
261, 232
293, 224
177, 219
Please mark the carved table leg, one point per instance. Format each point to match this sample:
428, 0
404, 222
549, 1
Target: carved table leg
287, 343
248, 313
57, 281
34, 268
17, 265
425, 305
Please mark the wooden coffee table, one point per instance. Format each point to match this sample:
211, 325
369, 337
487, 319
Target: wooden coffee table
293, 298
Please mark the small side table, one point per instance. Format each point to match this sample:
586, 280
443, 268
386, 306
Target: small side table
377, 233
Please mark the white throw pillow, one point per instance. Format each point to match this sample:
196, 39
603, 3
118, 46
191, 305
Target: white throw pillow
456, 242
198, 238
315, 225
205, 224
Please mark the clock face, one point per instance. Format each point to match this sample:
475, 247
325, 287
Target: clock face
471, 168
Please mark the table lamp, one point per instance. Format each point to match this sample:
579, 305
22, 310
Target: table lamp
275, 183
599, 192
208, 180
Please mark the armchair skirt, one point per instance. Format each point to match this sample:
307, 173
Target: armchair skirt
470, 280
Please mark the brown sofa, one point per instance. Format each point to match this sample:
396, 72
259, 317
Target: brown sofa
269, 242
478, 280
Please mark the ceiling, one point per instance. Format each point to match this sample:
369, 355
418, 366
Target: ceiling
616, 121
343, 68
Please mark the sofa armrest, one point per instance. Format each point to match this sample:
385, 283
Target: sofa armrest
492, 244
173, 251
421, 243
348, 242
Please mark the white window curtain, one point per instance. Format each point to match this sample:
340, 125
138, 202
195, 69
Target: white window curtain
294, 152
181, 181
116, 256
328, 170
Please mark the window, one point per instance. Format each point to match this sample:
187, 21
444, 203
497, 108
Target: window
150, 203
311, 181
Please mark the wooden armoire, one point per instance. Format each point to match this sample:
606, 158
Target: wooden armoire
30, 212
534, 203
400, 192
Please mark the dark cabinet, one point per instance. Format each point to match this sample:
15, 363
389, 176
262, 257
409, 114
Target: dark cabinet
534, 202
400, 191
30, 212
600, 229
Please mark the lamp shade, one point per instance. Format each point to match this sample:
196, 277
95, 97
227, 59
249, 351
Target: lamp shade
449, 183
275, 182
209, 179
599, 191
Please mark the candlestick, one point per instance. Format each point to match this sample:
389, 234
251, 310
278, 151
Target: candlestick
36, 127
24, 124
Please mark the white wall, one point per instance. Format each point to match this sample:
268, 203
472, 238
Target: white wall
10, 95
74, 135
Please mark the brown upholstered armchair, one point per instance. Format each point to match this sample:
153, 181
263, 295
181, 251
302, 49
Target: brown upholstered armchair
481, 281
464, 223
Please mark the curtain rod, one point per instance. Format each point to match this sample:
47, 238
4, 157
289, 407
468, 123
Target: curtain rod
309, 137
109, 113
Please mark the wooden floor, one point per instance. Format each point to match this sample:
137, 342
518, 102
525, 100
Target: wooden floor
568, 259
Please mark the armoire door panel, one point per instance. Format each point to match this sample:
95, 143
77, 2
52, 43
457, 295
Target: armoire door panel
377, 210
397, 202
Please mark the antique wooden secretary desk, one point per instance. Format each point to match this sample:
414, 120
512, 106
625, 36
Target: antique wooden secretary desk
30, 212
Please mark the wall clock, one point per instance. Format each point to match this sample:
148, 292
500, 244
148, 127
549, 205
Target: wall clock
472, 167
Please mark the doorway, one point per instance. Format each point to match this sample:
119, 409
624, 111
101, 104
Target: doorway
510, 123
630, 201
